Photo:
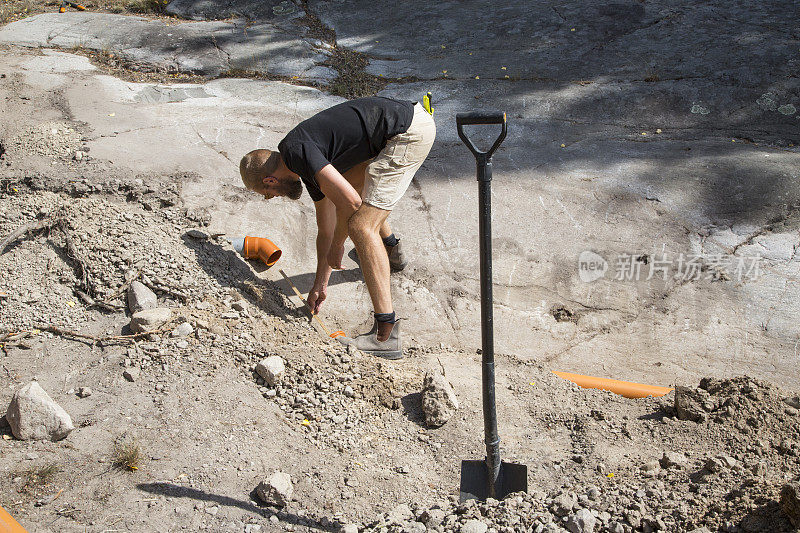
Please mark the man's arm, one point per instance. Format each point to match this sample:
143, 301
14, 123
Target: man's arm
347, 201
326, 223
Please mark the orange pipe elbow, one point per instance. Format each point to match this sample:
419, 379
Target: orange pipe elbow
628, 389
8, 524
261, 248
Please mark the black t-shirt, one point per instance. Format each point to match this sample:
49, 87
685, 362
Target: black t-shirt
344, 135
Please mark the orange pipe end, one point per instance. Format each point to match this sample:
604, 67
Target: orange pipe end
261, 248
337, 334
628, 389
8, 524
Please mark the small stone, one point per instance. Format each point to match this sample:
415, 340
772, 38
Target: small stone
791, 411
271, 369
131, 374
474, 526
150, 319
240, 305
182, 344
78, 156
582, 521
439, 401
563, 504
399, 514
651, 466
349, 528
703, 529
84, 392
33, 415
673, 460
183, 330
140, 297
277, 490
432, 517
349, 392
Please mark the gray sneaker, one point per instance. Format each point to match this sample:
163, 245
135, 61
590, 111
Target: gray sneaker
391, 348
397, 259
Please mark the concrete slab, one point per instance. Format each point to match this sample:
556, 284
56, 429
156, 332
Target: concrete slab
661, 137
206, 48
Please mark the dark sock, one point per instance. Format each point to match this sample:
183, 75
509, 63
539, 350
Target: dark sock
385, 317
391, 240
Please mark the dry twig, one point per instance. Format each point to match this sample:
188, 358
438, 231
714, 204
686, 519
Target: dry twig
45, 223
102, 340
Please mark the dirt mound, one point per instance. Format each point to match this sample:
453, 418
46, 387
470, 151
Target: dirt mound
48, 139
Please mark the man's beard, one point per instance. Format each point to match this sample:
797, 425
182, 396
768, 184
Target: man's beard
294, 189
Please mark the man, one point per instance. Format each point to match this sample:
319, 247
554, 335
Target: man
356, 160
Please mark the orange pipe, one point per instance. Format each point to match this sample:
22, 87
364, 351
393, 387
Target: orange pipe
628, 389
261, 248
8, 524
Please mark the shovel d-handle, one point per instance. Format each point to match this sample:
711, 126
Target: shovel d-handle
484, 164
476, 118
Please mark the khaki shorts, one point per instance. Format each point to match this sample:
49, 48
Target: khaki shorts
390, 173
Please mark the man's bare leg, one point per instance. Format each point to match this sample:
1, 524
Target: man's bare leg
365, 230
356, 176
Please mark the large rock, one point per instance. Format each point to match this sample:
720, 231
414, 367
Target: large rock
140, 297
150, 319
439, 401
790, 502
33, 415
581, 522
271, 369
688, 404
277, 490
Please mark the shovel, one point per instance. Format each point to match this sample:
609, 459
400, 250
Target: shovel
490, 478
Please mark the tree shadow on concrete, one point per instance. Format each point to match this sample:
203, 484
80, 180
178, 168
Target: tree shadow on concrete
171, 490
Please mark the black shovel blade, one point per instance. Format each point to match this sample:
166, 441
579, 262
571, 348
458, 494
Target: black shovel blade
475, 480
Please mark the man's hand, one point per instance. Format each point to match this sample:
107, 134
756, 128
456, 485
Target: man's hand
316, 297
335, 255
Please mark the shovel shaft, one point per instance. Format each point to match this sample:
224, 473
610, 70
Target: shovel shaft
487, 322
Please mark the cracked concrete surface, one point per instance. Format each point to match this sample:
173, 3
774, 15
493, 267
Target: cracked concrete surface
651, 132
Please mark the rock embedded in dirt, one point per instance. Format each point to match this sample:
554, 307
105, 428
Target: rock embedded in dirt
84, 392
432, 518
790, 502
150, 319
439, 401
563, 504
688, 405
474, 526
271, 369
277, 490
131, 374
33, 415
182, 330
140, 297
673, 460
349, 528
583, 521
